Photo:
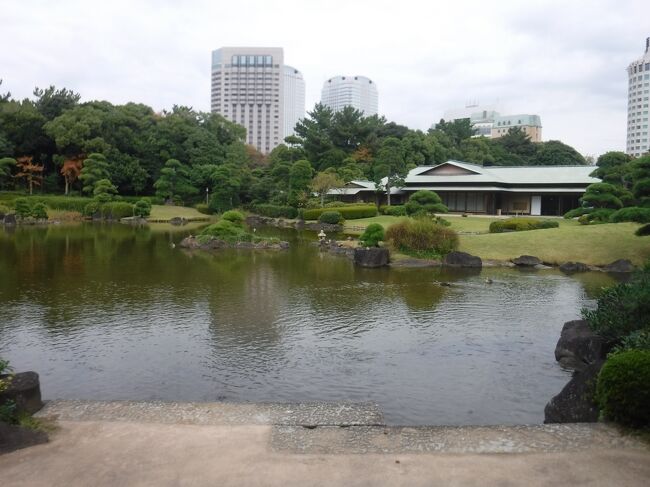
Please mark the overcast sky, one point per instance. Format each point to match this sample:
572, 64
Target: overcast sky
564, 60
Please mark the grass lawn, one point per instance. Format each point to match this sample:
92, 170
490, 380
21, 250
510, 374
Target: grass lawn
591, 244
166, 212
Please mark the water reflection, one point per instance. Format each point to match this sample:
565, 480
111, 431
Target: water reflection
117, 312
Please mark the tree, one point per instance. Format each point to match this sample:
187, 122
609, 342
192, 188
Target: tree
556, 153
32, 173
602, 195
323, 182
104, 191
95, 168
518, 146
390, 167
300, 176
613, 167
425, 202
457, 130
70, 170
225, 190
6, 165
52, 102
174, 181
640, 172
142, 208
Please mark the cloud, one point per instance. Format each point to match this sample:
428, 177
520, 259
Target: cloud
563, 60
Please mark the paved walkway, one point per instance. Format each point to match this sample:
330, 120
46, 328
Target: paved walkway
131, 443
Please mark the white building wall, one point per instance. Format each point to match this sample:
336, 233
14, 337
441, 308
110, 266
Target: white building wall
294, 99
638, 128
356, 91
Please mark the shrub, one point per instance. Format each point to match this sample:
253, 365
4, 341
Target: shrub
373, 234
425, 202
275, 211
142, 208
348, 212
643, 231
116, 210
332, 217
393, 210
623, 388
576, 212
227, 231
623, 308
91, 208
521, 224
23, 207
203, 208
637, 340
4, 210
233, 217
599, 215
631, 214
422, 235
38, 211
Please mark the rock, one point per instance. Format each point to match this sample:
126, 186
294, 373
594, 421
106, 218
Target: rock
620, 265
526, 261
570, 267
10, 219
24, 390
371, 257
177, 220
326, 227
16, 437
579, 346
461, 259
576, 403
214, 243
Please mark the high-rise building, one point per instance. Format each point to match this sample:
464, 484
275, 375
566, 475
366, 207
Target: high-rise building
294, 99
638, 131
247, 88
531, 125
354, 91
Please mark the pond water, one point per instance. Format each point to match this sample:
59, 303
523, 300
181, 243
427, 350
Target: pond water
115, 312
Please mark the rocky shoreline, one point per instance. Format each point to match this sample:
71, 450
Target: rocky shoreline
213, 243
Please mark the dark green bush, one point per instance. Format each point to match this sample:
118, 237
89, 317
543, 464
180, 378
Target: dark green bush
393, 210
116, 210
623, 388
4, 210
233, 217
227, 231
276, 211
637, 340
348, 212
331, 217
23, 207
142, 208
631, 214
422, 236
521, 224
425, 202
623, 308
91, 209
203, 208
576, 212
39, 211
373, 234
599, 215
643, 231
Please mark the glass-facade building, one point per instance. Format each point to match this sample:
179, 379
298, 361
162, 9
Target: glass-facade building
638, 131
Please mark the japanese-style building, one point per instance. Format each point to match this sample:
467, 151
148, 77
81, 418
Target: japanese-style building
471, 188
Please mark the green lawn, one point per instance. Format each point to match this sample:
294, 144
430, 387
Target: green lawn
166, 212
591, 244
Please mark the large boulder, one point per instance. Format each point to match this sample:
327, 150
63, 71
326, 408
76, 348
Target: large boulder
371, 257
15, 437
620, 265
576, 402
462, 259
24, 390
579, 346
526, 261
178, 220
571, 267
10, 219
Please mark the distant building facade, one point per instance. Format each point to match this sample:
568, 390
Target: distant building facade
530, 124
354, 91
638, 131
248, 89
294, 99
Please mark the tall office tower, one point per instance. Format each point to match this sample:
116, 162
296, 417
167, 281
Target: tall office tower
294, 99
247, 88
354, 91
638, 133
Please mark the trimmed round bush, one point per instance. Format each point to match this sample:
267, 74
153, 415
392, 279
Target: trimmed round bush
116, 210
91, 208
23, 207
643, 231
393, 210
331, 217
39, 211
422, 235
227, 231
576, 212
233, 216
203, 208
521, 224
142, 208
599, 215
631, 214
373, 234
623, 388
425, 202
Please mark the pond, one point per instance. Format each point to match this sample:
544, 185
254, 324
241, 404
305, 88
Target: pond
106, 311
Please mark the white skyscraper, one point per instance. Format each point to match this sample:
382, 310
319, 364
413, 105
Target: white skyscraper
247, 88
294, 99
638, 131
354, 91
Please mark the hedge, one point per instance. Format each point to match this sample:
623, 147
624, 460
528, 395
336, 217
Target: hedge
275, 211
331, 217
203, 208
393, 210
521, 224
347, 212
116, 210
631, 214
422, 237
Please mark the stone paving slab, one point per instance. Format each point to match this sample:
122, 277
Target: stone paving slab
216, 413
451, 439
